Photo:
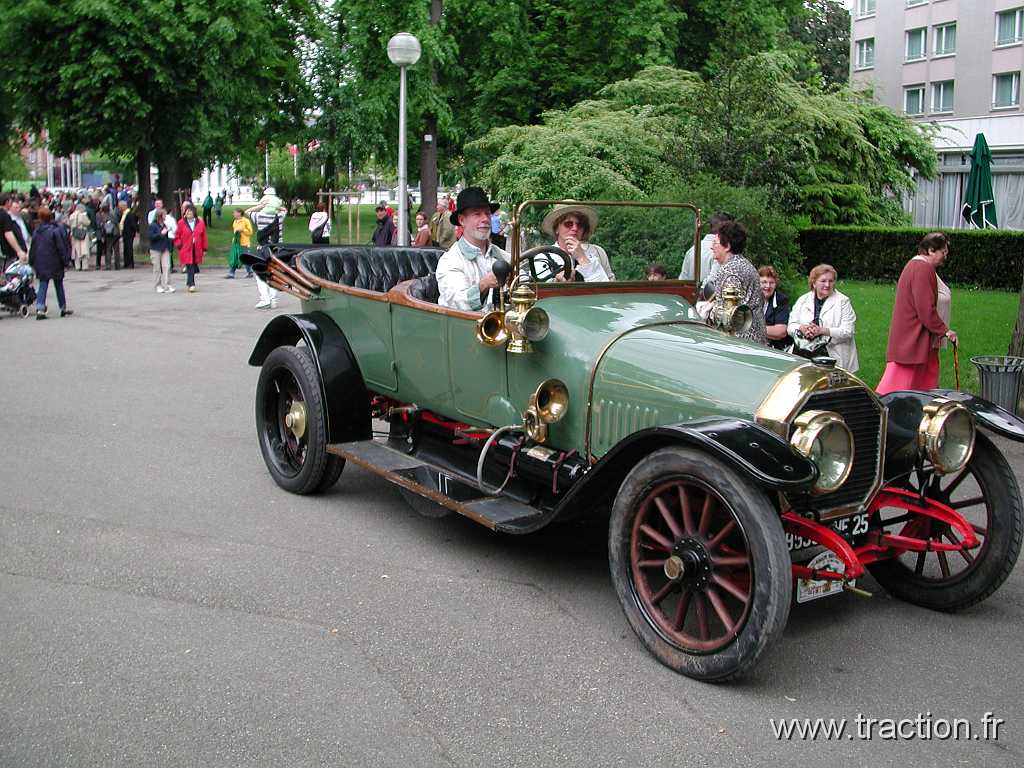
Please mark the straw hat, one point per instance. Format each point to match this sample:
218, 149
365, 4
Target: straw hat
562, 210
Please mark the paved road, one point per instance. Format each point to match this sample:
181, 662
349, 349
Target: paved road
163, 603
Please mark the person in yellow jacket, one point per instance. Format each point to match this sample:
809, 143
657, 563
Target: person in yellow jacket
241, 240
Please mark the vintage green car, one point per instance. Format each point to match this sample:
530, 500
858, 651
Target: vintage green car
733, 478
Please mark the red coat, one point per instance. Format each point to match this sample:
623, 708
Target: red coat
915, 321
191, 243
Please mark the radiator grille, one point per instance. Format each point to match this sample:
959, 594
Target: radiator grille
864, 418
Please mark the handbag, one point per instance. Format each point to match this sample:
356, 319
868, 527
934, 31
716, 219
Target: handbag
79, 233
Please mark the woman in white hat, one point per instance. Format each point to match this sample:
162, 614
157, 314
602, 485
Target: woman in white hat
572, 225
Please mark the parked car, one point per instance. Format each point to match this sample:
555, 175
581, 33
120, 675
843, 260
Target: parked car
733, 479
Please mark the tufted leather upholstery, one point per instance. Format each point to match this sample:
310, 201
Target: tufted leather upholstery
425, 289
370, 267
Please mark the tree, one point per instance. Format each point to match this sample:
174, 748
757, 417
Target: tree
824, 27
833, 157
178, 95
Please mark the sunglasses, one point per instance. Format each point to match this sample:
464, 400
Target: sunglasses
571, 224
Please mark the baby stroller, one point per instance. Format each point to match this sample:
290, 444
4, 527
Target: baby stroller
17, 289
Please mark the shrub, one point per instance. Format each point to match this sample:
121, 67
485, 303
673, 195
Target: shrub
981, 258
772, 239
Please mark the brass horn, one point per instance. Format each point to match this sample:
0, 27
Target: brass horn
547, 405
490, 329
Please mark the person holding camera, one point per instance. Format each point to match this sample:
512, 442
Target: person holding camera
822, 322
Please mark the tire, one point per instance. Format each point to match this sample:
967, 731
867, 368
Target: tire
299, 464
986, 493
332, 471
742, 573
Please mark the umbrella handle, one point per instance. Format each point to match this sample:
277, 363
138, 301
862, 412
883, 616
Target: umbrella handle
956, 363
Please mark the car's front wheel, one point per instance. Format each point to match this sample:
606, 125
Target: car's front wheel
699, 560
291, 423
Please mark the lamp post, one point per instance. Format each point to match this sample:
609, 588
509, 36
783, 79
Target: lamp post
403, 51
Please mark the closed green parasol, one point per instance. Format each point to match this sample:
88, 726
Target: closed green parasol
979, 202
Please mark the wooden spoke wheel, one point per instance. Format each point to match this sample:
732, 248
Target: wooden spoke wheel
699, 560
985, 492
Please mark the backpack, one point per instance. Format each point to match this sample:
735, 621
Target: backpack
110, 227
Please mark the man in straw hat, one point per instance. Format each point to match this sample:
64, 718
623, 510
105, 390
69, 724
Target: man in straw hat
465, 273
572, 224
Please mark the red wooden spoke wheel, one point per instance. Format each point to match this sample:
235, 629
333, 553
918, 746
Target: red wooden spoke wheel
699, 561
691, 565
986, 494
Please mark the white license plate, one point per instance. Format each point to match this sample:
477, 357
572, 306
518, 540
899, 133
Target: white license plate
854, 525
813, 589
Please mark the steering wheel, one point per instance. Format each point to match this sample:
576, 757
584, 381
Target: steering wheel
543, 262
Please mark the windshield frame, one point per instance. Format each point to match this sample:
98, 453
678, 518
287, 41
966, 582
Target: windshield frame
517, 216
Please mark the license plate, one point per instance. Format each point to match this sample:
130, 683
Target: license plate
814, 589
852, 526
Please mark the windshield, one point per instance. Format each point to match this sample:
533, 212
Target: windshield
609, 241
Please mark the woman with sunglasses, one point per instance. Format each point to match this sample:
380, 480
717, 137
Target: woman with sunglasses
572, 225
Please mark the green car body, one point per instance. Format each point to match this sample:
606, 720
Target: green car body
649, 361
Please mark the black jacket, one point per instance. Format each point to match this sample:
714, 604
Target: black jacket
49, 251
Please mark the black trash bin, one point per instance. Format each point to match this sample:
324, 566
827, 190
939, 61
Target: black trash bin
999, 377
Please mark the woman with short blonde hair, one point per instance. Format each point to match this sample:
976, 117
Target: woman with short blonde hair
823, 322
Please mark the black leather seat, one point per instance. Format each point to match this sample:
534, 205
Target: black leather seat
425, 288
371, 267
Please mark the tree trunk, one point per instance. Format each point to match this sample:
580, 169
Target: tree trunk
142, 163
428, 149
428, 165
1017, 342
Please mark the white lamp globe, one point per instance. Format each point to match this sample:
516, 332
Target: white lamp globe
404, 49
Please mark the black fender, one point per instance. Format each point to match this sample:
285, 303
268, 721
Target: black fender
747, 447
344, 392
907, 407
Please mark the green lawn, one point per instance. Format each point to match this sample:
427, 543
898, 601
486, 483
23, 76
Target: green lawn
295, 227
983, 319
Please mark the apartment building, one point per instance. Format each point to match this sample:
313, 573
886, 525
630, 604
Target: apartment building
956, 64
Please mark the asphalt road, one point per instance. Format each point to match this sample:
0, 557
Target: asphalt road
163, 603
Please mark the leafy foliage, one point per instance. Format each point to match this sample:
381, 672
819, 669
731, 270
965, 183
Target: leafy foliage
823, 26
185, 89
831, 156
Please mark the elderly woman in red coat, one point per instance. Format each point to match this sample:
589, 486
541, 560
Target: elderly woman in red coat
920, 321
190, 240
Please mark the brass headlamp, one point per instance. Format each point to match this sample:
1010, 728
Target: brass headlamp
525, 322
946, 435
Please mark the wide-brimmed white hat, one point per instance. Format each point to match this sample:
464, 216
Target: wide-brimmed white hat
562, 210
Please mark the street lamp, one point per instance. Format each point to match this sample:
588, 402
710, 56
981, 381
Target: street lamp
404, 51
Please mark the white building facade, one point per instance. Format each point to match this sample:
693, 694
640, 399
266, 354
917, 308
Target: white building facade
956, 64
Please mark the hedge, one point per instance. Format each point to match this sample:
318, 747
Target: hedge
982, 258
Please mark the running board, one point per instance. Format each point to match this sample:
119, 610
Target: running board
443, 486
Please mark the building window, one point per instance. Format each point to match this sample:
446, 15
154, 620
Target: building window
1006, 90
865, 53
917, 44
942, 96
1008, 26
913, 99
866, 7
915, 2
945, 40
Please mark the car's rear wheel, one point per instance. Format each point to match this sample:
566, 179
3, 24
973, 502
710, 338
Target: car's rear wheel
291, 423
986, 494
699, 560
